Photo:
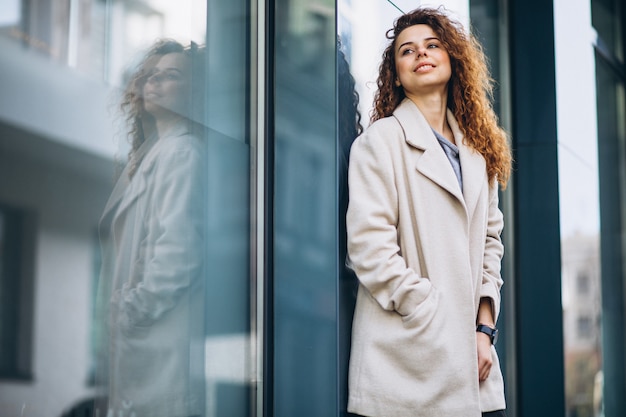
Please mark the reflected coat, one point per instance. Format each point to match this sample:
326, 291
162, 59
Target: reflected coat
424, 253
152, 278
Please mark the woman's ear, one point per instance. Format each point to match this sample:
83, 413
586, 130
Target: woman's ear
398, 83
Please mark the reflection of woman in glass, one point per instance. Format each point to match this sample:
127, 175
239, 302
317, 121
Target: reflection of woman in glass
424, 230
153, 269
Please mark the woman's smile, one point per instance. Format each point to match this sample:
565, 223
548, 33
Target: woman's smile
424, 67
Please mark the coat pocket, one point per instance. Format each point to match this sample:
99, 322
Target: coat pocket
424, 313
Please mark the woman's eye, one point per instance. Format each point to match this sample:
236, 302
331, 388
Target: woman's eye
433, 45
406, 51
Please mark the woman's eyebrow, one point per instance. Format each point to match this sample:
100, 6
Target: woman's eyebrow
157, 69
432, 38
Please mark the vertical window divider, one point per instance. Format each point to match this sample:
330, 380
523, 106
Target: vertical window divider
261, 218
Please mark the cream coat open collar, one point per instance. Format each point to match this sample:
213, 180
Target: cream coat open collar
434, 164
121, 187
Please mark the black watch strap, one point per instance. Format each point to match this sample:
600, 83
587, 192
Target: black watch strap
492, 332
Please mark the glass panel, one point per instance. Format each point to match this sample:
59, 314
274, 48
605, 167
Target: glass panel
116, 120
305, 222
349, 127
487, 16
229, 347
607, 18
593, 179
10, 13
612, 156
489, 25
579, 206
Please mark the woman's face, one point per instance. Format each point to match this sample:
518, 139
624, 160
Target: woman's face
422, 63
167, 88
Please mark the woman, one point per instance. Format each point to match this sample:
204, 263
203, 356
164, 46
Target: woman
424, 230
152, 278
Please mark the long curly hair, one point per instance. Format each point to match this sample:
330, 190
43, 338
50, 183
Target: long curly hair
139, 123
470, 89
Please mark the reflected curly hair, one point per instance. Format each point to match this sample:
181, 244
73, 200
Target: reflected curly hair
470, 89
140, 124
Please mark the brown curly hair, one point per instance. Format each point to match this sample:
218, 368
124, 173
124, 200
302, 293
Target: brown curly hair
139, 123
470, 89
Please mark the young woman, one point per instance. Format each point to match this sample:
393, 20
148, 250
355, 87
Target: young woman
424, 230
152, 280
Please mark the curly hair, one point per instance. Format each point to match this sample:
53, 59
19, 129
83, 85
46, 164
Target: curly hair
470, 89
141, 124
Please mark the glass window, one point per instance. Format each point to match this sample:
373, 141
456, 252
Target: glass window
132, 118
584, 328
305, 218
609, 23
592, 176
16, 314
579, 205
612, 173
582, 283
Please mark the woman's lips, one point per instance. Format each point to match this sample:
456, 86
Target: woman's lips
423, 67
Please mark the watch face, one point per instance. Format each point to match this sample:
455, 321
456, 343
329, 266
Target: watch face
494, 336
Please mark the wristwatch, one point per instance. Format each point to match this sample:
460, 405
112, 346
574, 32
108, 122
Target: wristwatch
491, 332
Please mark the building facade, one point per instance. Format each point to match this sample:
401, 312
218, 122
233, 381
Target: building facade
283, 86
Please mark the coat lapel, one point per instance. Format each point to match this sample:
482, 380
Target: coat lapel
116, 195
118, 200
473, 167
127, 191
433, 162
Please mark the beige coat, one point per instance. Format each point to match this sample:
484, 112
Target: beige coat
152, 281
424, 253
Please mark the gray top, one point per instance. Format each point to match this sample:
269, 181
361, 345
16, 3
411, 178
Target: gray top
452, 152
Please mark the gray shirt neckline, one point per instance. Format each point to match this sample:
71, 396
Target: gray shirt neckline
452, 152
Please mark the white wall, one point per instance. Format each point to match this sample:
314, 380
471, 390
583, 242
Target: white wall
67, 203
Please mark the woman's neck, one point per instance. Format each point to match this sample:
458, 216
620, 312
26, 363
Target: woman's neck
164, 124
434, 108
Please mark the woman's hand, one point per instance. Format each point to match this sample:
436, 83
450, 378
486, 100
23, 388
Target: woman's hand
483, 345
483, 341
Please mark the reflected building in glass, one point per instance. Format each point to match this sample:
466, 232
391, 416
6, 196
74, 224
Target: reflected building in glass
178, 249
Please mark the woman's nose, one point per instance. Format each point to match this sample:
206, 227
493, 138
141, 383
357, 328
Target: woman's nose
155, 78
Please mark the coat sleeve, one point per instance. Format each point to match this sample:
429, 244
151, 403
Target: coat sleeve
172, 249
494, 251
372, 218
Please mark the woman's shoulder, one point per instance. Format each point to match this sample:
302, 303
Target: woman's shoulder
386, 124
181, 149
383, 132
183, 141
